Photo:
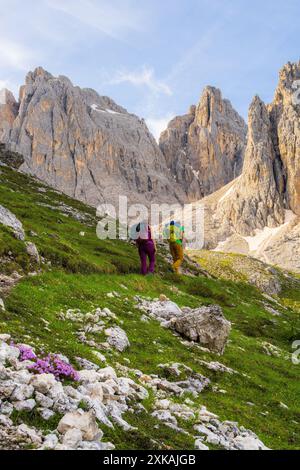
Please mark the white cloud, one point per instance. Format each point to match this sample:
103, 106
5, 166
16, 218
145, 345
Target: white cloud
144, 77
4, 84
14, 55
111, 18
158, 125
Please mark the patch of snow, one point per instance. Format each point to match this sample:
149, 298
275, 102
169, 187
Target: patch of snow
95, 107
230, 190
111, 111
221, 245
262, 237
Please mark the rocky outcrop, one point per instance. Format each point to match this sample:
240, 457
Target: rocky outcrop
8, 219
11, 159
206, 325
205, 148
258, 213
256, 201
285, 119
8, 113
86, 145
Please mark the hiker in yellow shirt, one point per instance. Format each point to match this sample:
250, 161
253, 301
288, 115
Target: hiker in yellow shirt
174, 233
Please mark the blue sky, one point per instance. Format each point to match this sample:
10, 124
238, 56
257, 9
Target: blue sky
153, 56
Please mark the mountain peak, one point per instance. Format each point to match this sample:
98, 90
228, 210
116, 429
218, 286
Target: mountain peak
204, 148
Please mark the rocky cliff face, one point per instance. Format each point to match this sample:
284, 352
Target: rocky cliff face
258, 213
8, 113
285, 118
86, 145
205, 148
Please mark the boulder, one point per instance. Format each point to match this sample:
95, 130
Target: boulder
72, 438
8, 219
88, 376
248, 443
200, 446
84, 422
43, 382
25, 405
206, 325
32, 251
8, 353
117, 338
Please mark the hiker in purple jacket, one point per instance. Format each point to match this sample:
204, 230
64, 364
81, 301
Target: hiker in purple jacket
146, 246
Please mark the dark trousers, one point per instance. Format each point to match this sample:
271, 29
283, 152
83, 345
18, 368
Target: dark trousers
147, 250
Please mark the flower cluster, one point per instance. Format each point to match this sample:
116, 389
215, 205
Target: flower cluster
53, 364
50, 364
26, 353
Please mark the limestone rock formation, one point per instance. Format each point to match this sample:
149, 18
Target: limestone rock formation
256, 201
258, 213
86, 145
8, 112
205, 148
206, 325
12, 159
285, 119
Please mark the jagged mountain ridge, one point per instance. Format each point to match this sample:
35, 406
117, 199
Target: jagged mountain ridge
258, 213
205, 148
92, 149
86, 145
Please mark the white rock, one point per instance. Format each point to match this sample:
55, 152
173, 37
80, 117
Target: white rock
283, 406
107, 373
95, 391
31, 433
117, 338
205, 415
200, 446
22, 376
45, 413
5, 337
72, 438
165, 416
56, 392
43, 382
88, 376
96, 446
25, 405
249, 443
32, 251
8, 219
8, 353
99, 356
2, 307
5, 421
43, 400
6, 408
85, 422
22, 392
50, 442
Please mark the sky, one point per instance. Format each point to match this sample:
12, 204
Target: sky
153, 57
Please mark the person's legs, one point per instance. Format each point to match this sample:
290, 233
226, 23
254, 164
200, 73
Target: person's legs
151, 255
143, 258
177, 255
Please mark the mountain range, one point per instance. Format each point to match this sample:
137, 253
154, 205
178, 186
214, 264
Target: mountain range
247, 177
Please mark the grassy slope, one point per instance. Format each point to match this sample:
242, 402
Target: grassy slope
84, 269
